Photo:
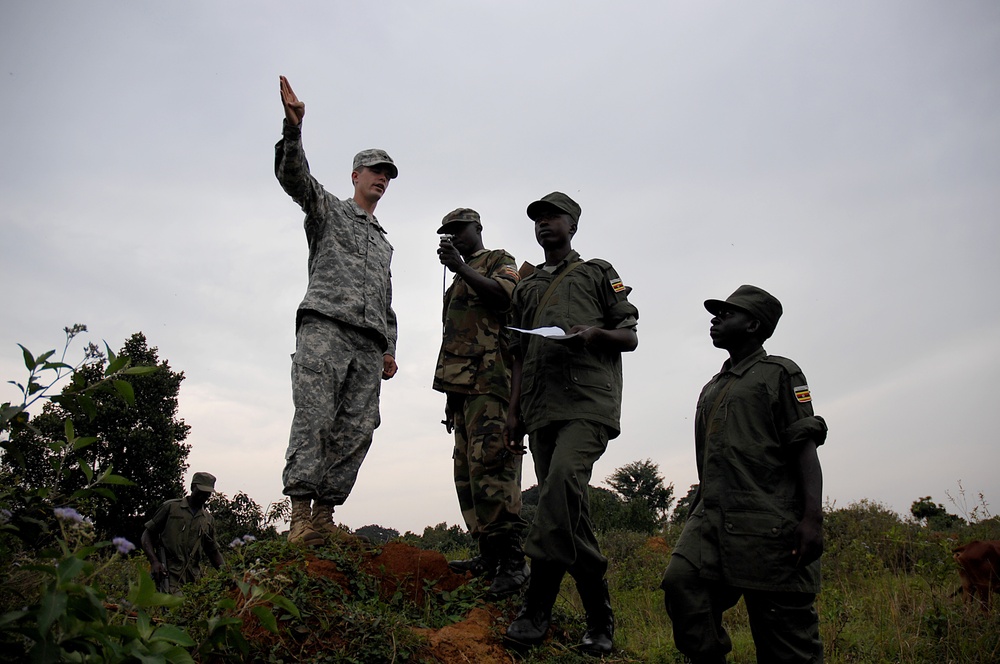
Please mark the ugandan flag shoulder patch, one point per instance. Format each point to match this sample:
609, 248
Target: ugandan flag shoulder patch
509, 271
617, 285
802, 394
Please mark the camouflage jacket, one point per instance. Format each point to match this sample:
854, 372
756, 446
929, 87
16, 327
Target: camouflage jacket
474, 357
349, 256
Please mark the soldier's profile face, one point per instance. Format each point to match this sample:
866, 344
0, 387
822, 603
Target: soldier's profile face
731, 327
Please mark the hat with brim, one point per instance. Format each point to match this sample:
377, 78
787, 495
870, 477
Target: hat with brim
753, 300
558, 201
457, 217
203, 482
375, 157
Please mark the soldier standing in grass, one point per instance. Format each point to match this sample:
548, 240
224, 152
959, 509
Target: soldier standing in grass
345, 339
566, 395
179, 534
473, 370
755, 528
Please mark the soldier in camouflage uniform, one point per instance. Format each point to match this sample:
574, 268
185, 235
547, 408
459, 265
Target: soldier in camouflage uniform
345, 330
566, 395
473, 370
179, 534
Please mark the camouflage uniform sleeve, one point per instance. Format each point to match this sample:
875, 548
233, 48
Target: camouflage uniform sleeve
505, 273
619, 311
391, 330
292, 171
516, 312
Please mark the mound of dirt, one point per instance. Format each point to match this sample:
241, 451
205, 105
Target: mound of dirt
471, 640
407, 569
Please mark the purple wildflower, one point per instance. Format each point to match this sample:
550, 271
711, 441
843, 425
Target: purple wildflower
68, 514
123, 545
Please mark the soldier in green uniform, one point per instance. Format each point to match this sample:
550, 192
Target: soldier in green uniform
345, 330
473, 370
179, 534
566, 395
755, 527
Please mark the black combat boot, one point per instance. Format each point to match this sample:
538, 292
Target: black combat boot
598, 639
512, 573
485, 564
532, 621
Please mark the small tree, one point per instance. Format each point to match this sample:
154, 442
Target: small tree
642, 481
242, 516
683, 507
933, 515
377, 534
141, 438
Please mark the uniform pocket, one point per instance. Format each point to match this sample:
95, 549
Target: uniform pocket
307, 378
756, 545
461, 362
590, 378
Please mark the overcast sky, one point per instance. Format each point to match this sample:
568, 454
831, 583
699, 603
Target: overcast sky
845, 156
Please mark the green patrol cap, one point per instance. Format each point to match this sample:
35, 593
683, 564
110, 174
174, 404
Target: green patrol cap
557, 200
374, 157
459, 216
755, 301
203, 482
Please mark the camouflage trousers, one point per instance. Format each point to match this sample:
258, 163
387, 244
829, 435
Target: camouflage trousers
487, 477
336, 379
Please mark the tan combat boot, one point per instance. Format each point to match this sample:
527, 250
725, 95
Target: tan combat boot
322, 523
300, 530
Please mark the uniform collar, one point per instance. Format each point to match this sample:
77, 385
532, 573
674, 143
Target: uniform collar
370, 218
747, 362
572, 257
187, 505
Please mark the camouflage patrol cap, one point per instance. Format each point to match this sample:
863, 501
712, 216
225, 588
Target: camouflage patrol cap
459, 216
374, 157
203, 482
755, 301
557, 200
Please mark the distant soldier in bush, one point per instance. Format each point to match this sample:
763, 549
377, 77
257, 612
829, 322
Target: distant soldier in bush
755, 527
179, 534
473, 370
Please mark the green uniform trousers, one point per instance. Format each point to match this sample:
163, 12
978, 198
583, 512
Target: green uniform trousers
785, 625
564, 454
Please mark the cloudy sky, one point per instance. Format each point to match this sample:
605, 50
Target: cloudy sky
843, 155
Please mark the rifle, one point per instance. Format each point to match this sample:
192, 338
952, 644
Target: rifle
163, 580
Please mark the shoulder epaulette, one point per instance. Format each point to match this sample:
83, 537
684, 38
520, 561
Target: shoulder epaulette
784, 362
601, 263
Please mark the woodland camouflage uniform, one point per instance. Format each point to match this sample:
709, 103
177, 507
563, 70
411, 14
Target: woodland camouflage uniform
473, 369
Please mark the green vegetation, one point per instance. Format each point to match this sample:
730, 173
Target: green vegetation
69, 592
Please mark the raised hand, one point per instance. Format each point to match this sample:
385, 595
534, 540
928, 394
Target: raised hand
295, 110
